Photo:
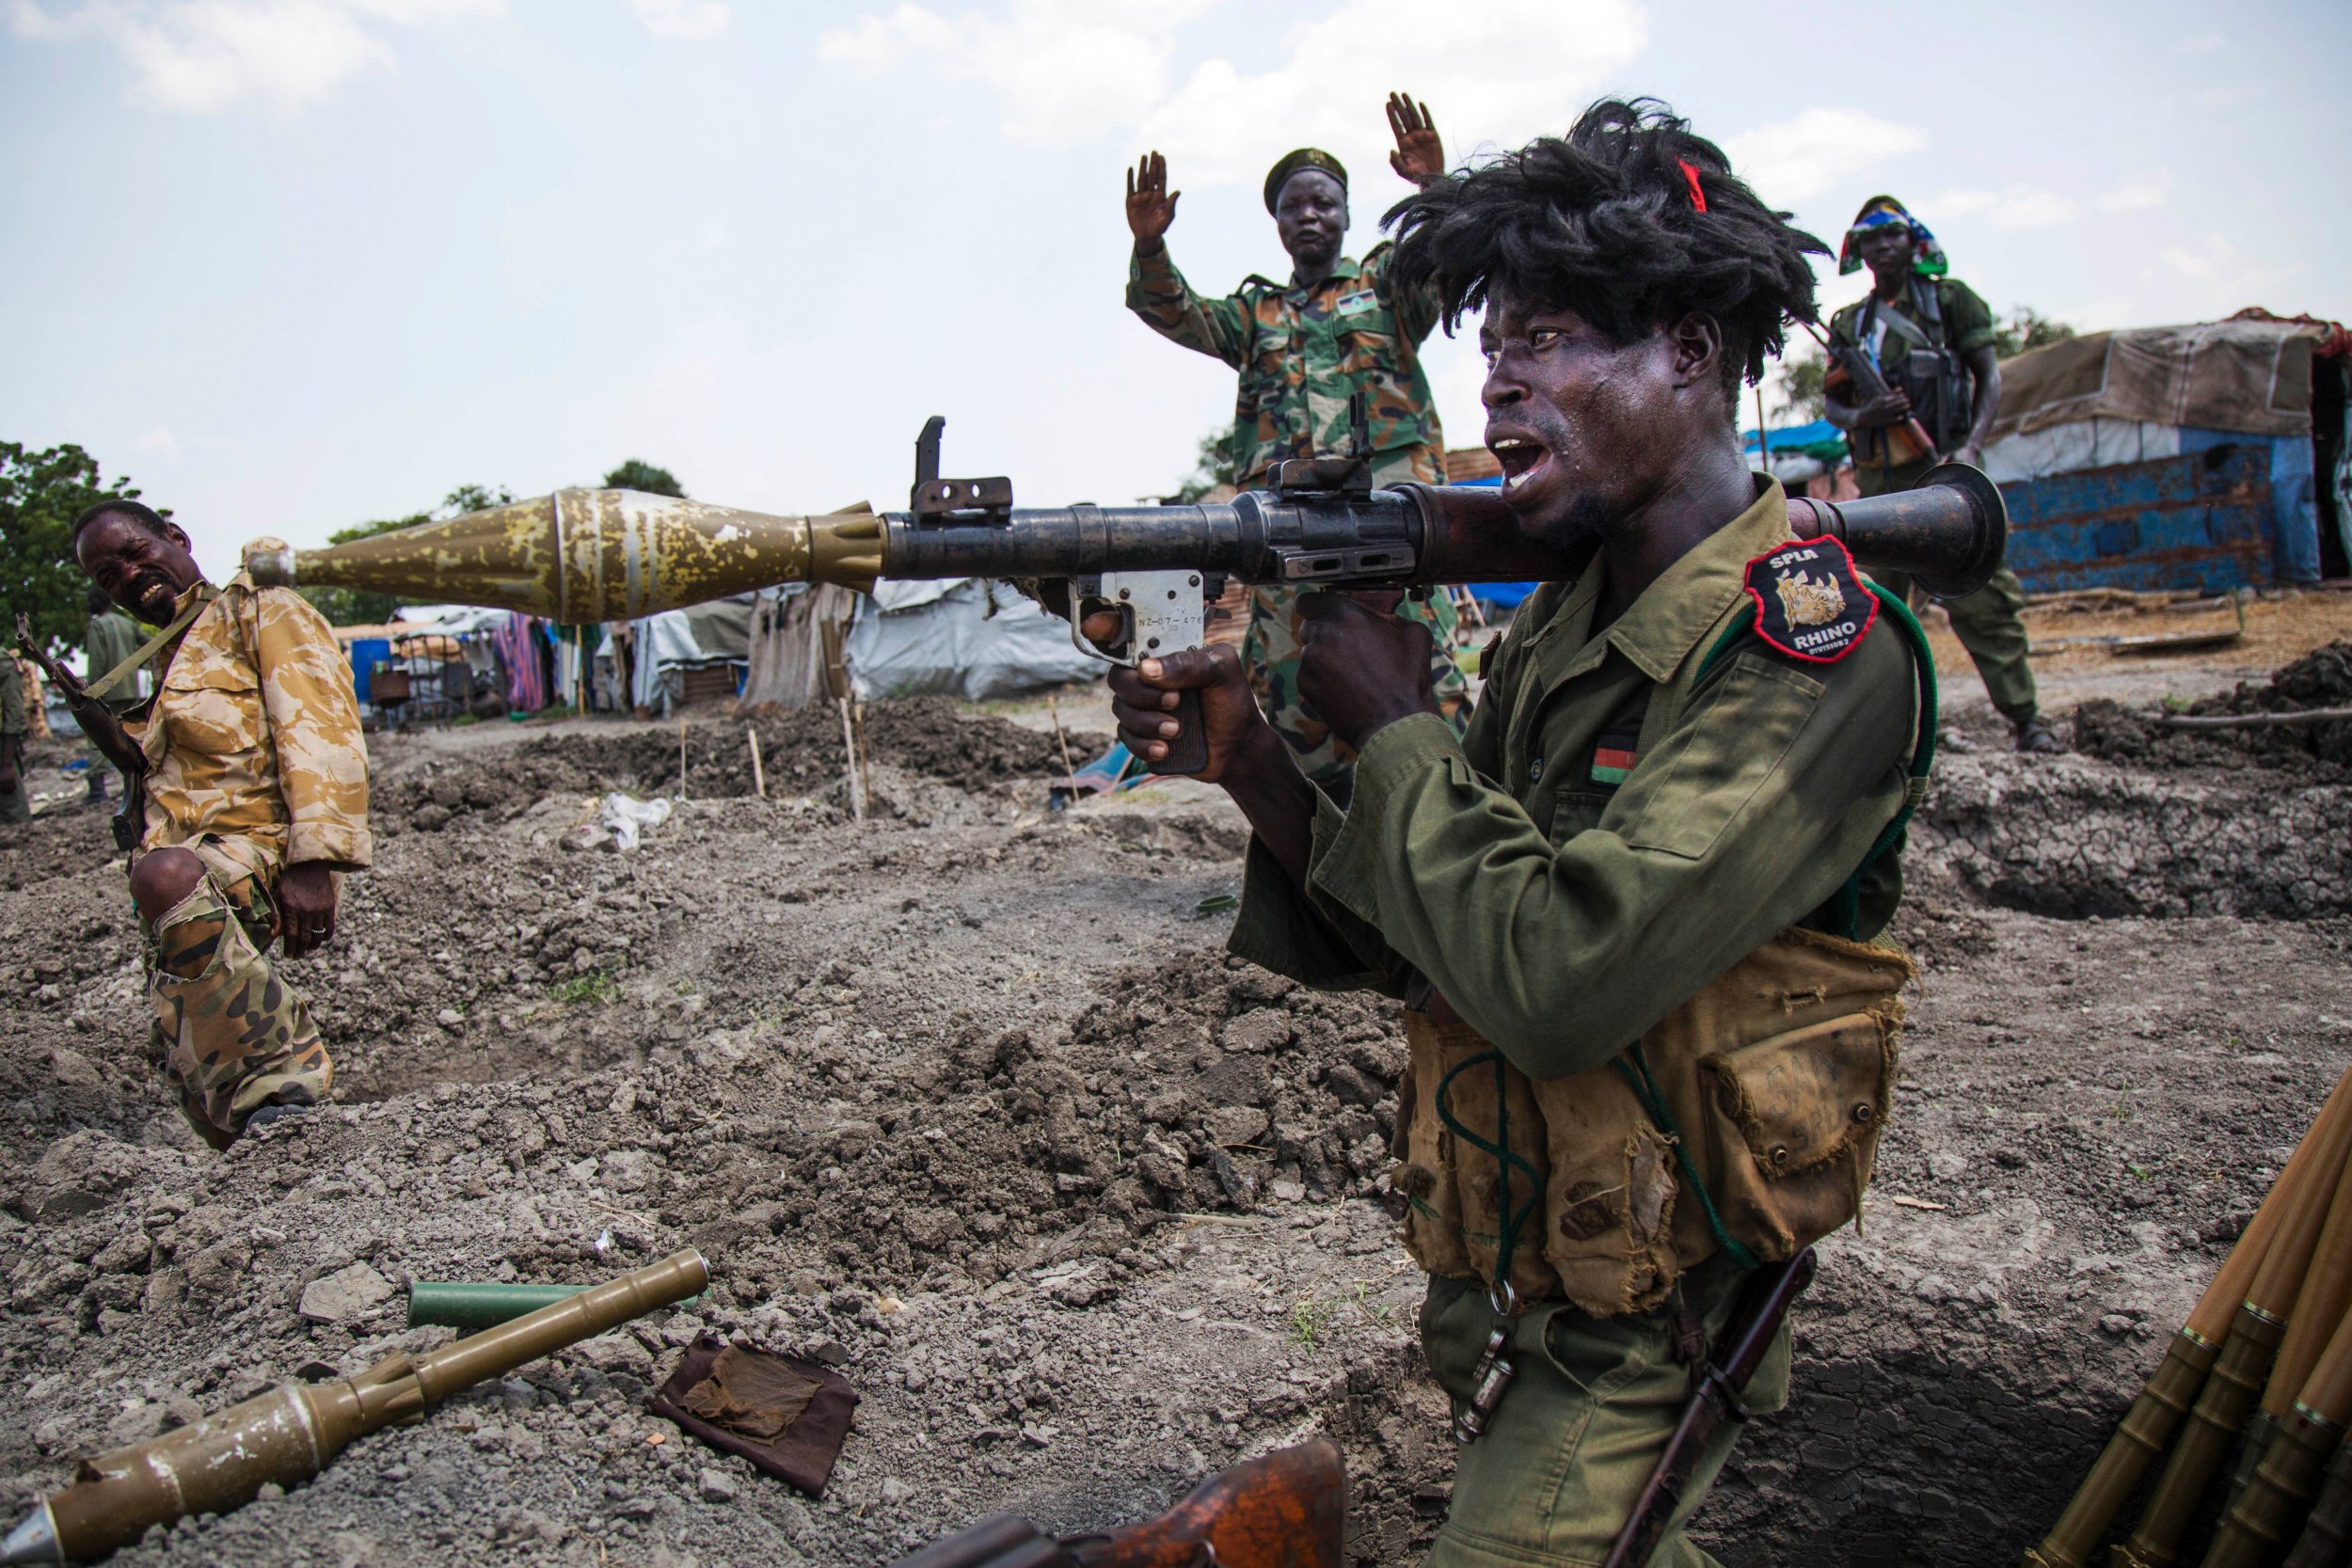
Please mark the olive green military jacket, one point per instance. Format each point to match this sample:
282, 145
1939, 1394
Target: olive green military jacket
1615, 830
1302, 353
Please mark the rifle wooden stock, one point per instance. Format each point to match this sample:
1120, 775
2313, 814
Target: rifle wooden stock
1287, 1509
1764, 1303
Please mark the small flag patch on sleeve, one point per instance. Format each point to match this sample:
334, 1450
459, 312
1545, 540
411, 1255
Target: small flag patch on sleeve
1613, 759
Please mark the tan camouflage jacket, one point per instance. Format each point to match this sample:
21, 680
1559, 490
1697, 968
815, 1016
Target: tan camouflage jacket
1302, 353
253, 737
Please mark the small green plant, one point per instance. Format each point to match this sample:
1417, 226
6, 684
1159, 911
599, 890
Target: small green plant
595, 988
2140, 1171
2123, 1105
1308, 1316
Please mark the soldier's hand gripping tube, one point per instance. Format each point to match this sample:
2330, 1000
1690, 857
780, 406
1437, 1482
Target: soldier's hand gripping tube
1715, 1400
288, 1434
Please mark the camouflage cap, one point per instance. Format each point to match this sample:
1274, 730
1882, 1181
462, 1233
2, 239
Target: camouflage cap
1306, 157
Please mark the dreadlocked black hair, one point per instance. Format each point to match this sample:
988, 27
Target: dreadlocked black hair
139, 511
1609, 222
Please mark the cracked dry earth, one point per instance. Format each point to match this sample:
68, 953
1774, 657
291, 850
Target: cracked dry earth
968, 1102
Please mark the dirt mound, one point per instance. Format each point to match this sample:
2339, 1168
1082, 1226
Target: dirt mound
801, 754
2320, 753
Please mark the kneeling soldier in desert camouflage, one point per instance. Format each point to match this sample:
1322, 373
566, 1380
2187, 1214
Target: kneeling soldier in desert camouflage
256, 784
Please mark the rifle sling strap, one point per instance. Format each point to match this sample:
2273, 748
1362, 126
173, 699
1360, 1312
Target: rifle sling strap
98, 689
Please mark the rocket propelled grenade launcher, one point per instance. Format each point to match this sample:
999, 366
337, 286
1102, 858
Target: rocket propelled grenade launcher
606, 555
288, 1434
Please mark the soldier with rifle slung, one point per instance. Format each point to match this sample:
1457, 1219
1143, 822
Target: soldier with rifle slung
1914, 361
1637, 913
1340, 327
246, 784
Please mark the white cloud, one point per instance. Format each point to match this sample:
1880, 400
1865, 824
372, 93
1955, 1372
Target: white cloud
1064, 68
2138, 192
682, 19
2202, 43
201, 55
2213, 277
2013, 207
1801, 158
162, 442
1070, 72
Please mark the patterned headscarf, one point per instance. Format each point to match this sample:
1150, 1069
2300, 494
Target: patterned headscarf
1927, 256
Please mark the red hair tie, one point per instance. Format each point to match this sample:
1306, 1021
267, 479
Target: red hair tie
1698, 196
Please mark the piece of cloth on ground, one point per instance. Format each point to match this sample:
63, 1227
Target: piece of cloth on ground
229, 1034
1580, 1429
787, 1416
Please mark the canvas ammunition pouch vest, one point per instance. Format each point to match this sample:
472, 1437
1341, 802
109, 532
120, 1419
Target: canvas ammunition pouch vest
1746, 1121
1915, 357
1773, 1084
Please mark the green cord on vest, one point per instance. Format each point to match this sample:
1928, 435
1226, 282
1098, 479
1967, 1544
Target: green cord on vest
1510, 1219
1635, 1066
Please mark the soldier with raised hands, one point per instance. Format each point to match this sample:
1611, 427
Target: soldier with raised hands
1304, 349
254, 776
1636, 914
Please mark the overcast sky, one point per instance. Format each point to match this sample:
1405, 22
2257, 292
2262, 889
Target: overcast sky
295, 263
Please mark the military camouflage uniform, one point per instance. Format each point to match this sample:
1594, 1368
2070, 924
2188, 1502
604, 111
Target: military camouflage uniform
1302, 354
255, 762
16, 805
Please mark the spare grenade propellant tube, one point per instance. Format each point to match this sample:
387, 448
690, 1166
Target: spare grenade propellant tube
2237, 1374
467, 1307
2319, 1308
2327, 1538
2264, 1520
288, 1434
2166, 1398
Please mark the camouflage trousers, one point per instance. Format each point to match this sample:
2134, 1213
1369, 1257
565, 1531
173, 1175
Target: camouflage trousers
229, 1034
1272, 650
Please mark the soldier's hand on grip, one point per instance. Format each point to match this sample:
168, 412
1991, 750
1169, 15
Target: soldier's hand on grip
1151, 205
1144, 698
1361, 667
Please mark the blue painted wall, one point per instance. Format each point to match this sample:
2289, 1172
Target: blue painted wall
2198, 521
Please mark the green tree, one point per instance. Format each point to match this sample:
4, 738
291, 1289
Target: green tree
636, 474
353, 606
1801, 390
1212, 466
2025, 330
41, 493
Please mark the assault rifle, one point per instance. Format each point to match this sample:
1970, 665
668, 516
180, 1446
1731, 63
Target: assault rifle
1848, 359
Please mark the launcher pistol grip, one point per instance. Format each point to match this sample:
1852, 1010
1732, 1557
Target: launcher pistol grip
1159, 613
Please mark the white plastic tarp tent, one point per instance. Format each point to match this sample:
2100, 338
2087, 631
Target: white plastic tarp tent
915, 638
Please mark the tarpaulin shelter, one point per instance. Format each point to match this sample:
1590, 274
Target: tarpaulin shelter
966, 637
786, 659
2209, 456
677, 644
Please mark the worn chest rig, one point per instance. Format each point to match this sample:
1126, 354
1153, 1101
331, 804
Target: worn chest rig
1744, 1122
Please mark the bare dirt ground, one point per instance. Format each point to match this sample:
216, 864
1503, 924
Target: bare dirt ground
969, 1103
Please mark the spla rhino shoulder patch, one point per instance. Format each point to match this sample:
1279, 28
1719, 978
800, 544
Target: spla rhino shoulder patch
1809, 603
